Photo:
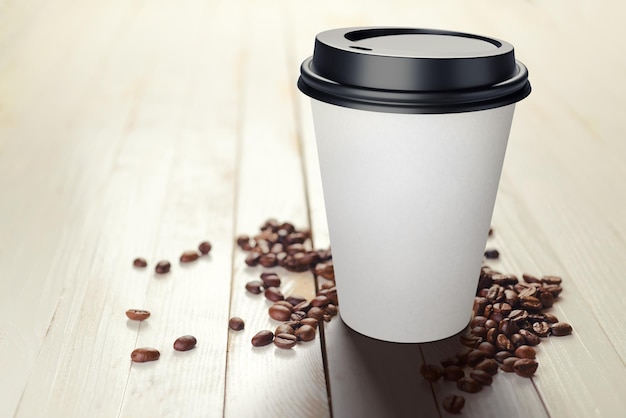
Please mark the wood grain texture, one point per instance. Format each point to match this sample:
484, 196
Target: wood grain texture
135, 128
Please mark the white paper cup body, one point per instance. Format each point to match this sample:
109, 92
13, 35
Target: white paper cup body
409, 200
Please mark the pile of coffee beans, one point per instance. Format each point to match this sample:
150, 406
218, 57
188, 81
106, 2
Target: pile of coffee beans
508, 322
283, 245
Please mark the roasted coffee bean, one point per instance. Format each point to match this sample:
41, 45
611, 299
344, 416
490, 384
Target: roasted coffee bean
262, 338
331, 310
462, 354
492, 334
503, 308
204, 247
530, 303
273, 294
487, 348
140, 262
469, 340
500, 356
554, 280
270, 280
469, 385
305, 333
431, 372
453, 373
479, 332
511, 297
236, 324
481, 377
507, 327
518, 316
479, 306
488, 365
141, 355
162, 267
527, 292
517, 340
508, 363
530, 338
554, 289
450, 361
310, 321
279, 312
268, 260
503, 343
189, 256
560, 329
529, 278
525, 367
326, 270
243, 242
492, 253
550, 318
496, 316
285, 304
302, 306
298, 316
185, 343
284, 329
255, 287
547, 300
137, 314
475, 357
490, 323
315, 312
285, 340
453, 403
252, 259
294, 300
525, 351
320, 301
478, 321
332, 295
542, 328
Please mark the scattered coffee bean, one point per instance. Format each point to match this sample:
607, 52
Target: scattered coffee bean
305, 333
469, 385
488, 365
492, 253
137, 314
236, 324
475, 357
502, 355
316, 313
453, 373
141, 355
431, 372
262, 338
189, 256
295, 300
525, 367
285, 340
185, 343
560, 329
525, 351
255, 287
310, 321
481, 377
279, 312
508, 363
270, 280
530, 338
162, 267
204, 247
284, 329
140, 262
542, 328
453, 403
273, 294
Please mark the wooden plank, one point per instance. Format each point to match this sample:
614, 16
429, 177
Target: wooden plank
269, 381
167, 186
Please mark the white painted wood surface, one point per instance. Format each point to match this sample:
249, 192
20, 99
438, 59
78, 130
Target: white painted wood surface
135, 128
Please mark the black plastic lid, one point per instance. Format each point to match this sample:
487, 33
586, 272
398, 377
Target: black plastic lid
409, 70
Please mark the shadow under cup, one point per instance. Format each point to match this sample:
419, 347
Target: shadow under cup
410, 170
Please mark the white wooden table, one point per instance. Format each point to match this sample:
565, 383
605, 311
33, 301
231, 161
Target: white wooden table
140, 128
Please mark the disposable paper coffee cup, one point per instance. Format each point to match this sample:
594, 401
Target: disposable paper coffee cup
411, 128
